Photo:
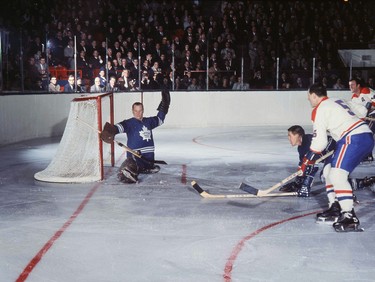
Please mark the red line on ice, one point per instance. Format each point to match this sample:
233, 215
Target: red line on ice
237, 249
36, 259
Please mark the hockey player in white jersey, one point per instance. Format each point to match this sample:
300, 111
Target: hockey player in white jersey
354, 141
362, 105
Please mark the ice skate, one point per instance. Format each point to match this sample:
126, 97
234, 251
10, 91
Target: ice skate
348, 222
154, 169
329, 216
368, 159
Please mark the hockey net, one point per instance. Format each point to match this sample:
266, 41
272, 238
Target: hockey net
81, 154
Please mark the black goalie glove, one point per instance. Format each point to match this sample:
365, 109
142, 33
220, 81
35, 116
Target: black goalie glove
165, 101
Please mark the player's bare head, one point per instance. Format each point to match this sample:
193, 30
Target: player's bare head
318, 89
137, 109
356, 81
296, 129
137, 104
295, 135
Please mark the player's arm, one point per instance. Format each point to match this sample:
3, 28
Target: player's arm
318, 144
165, 101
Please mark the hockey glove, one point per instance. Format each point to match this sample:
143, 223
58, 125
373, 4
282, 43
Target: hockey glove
108, 133
165, 101
308, 162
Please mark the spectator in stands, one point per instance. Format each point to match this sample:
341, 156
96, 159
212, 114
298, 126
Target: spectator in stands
258, 81
146, 80
311, 43
112, 85
110, 70
96, 61
83, 65
81, 88
70, 87
193, 86
240, 85
96, 87
69, 55
371, 83
134, 71
125, 83
102, 78
284, 81
32, 75
123, 64
53, 87
298, 84
43, 72
338, 85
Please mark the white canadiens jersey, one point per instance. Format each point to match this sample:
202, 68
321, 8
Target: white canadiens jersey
360, 102
334, 116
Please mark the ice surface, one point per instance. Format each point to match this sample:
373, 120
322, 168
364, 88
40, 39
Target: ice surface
161, 230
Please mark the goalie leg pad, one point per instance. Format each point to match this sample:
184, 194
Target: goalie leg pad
128, 172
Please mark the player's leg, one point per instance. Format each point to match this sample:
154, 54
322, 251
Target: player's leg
349, 154
128, 172
333, 212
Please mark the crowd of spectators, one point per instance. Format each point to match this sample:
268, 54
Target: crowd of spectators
190, 45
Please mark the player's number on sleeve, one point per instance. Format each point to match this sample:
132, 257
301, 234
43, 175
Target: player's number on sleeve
345, 106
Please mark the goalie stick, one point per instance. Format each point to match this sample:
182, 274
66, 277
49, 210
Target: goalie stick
136, 154
205, 194
252, 190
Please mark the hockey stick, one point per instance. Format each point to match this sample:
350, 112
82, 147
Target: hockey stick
136, 154
207, 195
262, 193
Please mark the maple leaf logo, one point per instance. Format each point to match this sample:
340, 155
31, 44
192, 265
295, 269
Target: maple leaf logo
145, 133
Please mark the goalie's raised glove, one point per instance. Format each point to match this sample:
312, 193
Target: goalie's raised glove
165, 101
108, 133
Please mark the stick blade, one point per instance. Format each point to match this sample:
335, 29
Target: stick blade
196, 187
249, 189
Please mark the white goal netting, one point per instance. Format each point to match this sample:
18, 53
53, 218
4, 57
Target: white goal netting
81, 155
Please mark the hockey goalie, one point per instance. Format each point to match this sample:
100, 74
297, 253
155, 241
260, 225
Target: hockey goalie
138, 129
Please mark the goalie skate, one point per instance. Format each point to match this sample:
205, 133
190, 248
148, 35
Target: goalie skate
154, 169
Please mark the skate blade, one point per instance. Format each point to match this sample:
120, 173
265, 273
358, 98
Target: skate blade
340, 229
326, 221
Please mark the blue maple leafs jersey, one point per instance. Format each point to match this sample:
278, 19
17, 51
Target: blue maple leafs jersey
139, 135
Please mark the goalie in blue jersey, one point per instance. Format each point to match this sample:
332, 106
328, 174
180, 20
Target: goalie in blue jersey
139, 138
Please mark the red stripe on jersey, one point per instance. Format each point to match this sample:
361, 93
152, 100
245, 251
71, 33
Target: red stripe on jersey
313, 113
351, 127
